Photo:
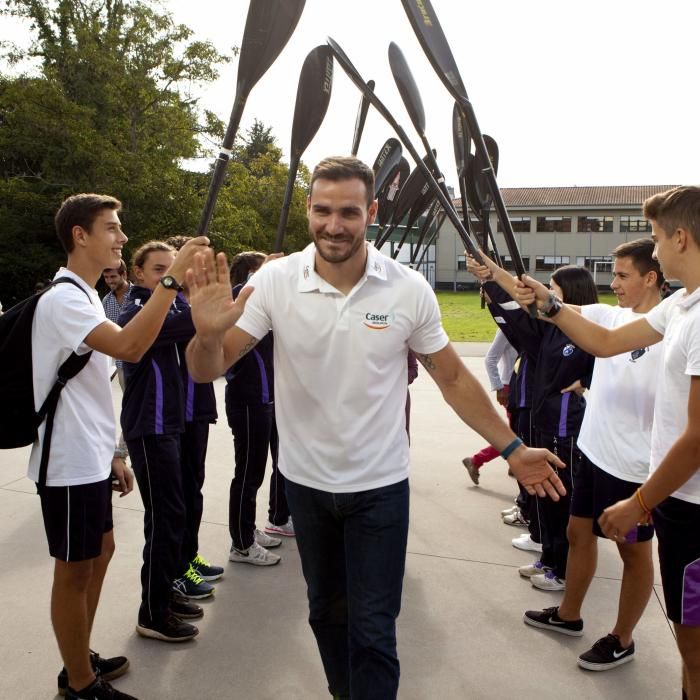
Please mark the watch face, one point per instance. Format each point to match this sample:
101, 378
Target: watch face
169, 282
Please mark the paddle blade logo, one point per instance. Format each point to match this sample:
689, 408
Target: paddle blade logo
378, 322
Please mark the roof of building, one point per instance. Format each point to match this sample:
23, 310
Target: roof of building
616, 195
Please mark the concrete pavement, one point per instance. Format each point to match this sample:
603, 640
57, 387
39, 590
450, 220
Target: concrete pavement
460, 633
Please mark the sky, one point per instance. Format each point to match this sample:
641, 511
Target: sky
596, 93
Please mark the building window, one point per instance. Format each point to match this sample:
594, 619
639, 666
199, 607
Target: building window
559, 224
589, 262
595, 224
461, 262
520, 224
508, 263
548, 263
634, 224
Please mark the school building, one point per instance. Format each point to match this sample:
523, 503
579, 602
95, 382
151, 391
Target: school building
553, 226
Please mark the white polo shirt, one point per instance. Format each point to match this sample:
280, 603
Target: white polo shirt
340, 367
616, 430
82, 443
678, 319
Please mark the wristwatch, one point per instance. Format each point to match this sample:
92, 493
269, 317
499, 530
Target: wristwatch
169, 282
552, 307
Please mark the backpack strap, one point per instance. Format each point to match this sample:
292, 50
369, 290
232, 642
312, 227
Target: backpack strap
68, 369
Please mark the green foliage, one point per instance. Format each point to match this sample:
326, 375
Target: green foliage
105, 104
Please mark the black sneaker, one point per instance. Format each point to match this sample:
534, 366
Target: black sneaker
99, 690
207, 571
548, 619
106, 668
182, 608
606, 653
172, 629
192, 585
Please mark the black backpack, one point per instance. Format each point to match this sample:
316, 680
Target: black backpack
19, 421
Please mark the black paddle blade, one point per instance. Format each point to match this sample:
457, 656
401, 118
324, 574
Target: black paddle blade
416, 187
387, 159
313, 96
482, 187
471, 175
407, 87
389, 195
268, 27
360, 120
425, 24
458, 140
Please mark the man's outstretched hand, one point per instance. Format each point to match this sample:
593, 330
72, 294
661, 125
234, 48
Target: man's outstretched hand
531, 466
213, 309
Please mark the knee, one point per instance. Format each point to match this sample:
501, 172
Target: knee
330, 610
690, 653
75, 575
580, 537
637, 556
108, 547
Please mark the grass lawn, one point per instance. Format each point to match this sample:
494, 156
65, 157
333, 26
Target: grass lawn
465, 320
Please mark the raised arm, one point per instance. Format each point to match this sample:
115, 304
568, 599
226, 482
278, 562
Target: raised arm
470, 402
132, 341
218, 343
589, 336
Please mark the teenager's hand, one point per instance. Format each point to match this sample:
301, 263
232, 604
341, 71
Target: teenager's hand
531, 467
213, 309
502, 395
185, 257
616, 521
529, 291
122, 477
577, 388
477, 268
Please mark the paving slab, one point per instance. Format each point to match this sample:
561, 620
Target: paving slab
460, 631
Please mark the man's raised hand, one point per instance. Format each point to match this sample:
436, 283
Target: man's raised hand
213, 309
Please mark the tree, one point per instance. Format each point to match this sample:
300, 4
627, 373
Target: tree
107, 107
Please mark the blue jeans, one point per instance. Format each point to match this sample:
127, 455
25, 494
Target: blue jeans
353, 554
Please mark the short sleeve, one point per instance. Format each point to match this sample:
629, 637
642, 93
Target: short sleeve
256, 319
428, 335
692, 367
71, 315
602, 314
660, 315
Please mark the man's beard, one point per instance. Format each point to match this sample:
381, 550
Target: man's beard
339, 257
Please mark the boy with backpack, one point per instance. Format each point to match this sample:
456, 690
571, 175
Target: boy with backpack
75, 482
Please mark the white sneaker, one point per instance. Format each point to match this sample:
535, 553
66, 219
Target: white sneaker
509, 511
548, 582
534, 569
526, 543
266, 541
515, 518
286, 530
255, 554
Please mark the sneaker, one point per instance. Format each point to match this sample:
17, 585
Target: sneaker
206, 571
192, 585
534, 569
548, 582
100, 689
172, 629
181, 607
606, 653
472, 469
526, 543
264, 540
286, 530
106, 668
255, 554
509, 511
515, 518
548, 619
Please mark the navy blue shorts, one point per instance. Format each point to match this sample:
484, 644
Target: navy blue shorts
76, 518
677, 526
595, 490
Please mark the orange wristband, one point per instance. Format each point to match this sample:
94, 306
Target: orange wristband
643, 505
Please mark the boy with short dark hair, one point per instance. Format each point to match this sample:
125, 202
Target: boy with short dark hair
75, 499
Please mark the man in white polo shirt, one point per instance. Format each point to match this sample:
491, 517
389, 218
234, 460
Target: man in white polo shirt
344, 317
673, 488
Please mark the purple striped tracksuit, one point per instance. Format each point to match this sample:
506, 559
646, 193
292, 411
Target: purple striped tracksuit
153, 420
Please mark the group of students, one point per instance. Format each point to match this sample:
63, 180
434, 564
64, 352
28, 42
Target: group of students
638, 363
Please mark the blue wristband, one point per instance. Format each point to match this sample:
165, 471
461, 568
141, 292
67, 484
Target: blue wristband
509, 449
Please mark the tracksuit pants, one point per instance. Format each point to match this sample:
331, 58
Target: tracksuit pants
156, 463
194, 442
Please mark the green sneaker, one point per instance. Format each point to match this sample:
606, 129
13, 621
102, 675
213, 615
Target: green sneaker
206, 570
192, 585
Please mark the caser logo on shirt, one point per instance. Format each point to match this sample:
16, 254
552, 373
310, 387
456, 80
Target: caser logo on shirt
378, 322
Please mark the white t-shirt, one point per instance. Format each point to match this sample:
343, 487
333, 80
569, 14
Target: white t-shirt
82, 443
678, 319
340, 367
616, 430
499, 361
